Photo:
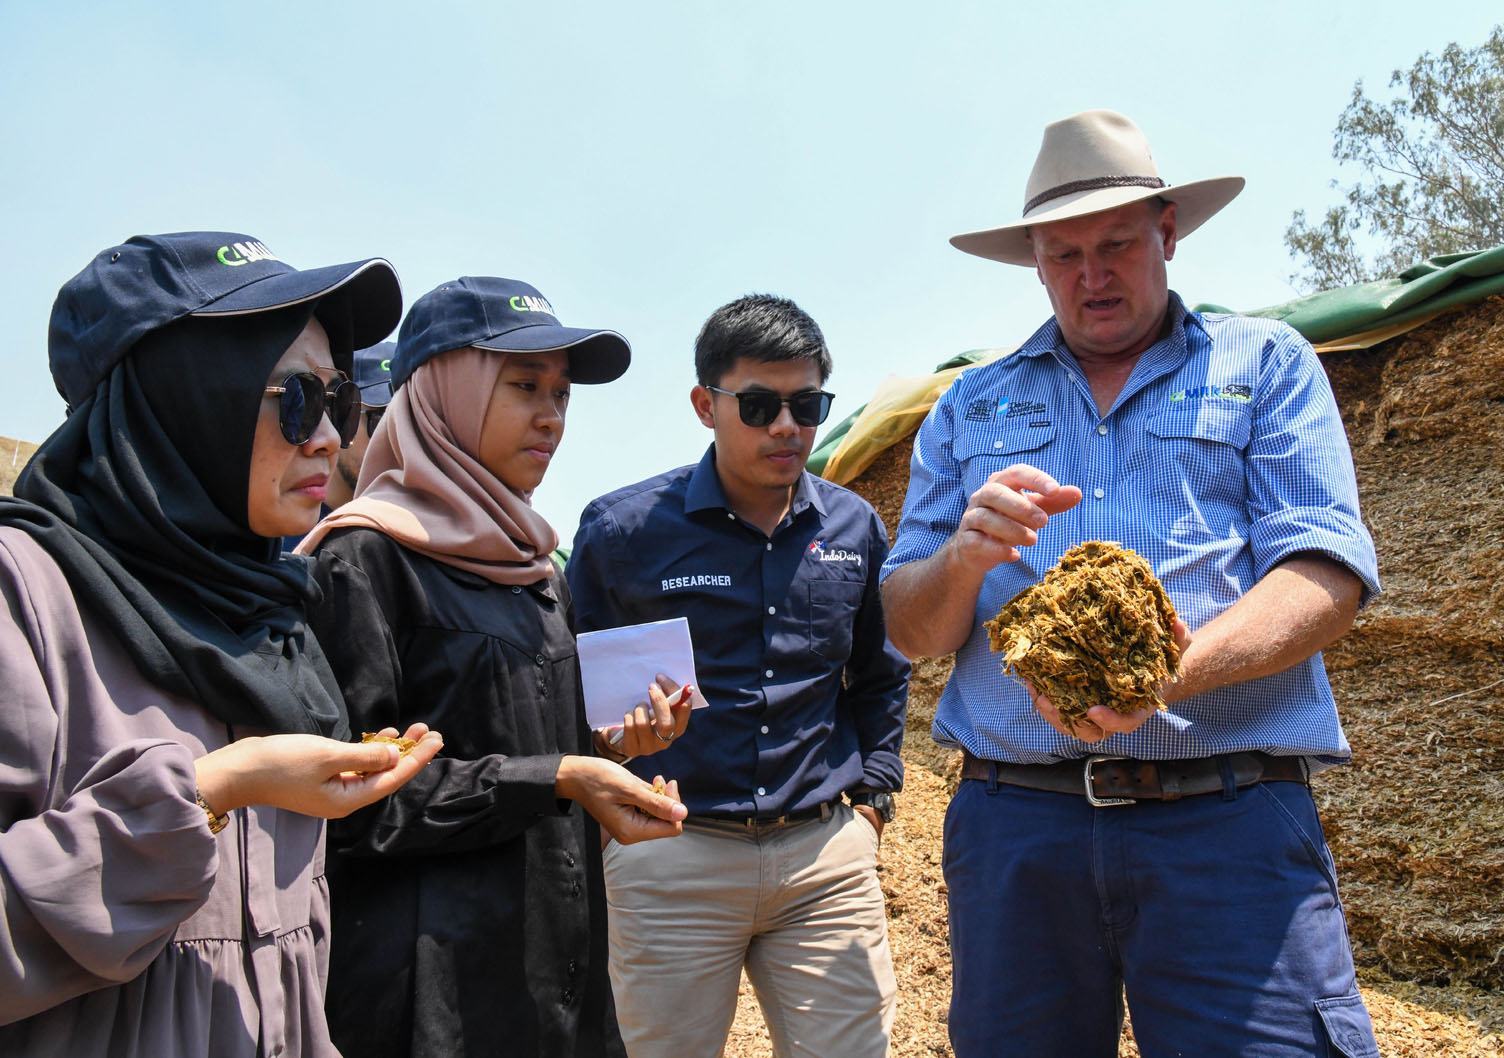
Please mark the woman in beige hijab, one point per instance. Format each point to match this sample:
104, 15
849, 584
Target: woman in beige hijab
469, 911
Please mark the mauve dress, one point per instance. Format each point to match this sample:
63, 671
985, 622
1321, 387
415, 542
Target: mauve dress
126, 928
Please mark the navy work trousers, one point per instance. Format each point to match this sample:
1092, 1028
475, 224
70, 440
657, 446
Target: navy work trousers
1217, 914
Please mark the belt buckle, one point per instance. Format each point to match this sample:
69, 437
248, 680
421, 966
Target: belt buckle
1091, 794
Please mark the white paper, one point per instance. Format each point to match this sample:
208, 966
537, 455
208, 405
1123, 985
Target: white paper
617, 664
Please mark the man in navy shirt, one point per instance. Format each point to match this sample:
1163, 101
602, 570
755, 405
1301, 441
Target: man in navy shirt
776, 571
1174, 854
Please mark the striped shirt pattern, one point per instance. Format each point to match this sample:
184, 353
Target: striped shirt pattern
1223, 455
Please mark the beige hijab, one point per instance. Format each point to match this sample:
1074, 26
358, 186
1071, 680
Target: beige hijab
422, 485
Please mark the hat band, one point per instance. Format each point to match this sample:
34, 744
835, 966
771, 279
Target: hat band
1095, 184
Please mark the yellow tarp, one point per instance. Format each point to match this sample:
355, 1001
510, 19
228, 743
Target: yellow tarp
894, 412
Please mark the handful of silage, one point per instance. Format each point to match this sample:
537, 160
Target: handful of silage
1097, 630
404, 745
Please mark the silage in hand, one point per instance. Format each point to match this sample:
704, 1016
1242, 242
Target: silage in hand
1097, 630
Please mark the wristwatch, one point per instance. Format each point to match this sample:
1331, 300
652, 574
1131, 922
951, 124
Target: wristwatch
880, 801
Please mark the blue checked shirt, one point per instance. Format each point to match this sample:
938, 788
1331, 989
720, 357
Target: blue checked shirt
806, 694
1223, 455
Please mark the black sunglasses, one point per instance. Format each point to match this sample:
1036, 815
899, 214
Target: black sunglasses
373, 416
759, 407
305, 398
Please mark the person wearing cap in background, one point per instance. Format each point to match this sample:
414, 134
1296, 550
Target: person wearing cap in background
171, 732
1175, 855
469, 913
373, 374
776, 571
373, 378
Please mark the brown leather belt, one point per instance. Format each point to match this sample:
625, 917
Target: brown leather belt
1107, 780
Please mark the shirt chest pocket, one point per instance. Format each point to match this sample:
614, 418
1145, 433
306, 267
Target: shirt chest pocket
1200, 449
983, 453
833, 606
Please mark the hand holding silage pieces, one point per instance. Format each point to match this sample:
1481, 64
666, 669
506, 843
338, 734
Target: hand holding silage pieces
627, 808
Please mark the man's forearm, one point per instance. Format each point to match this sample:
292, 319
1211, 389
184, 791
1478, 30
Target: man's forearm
1299, 607
929, 605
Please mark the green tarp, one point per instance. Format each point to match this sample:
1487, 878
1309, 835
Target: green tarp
1421, 290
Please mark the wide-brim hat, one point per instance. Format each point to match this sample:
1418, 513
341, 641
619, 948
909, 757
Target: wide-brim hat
503, 316
1090, 162
149, 281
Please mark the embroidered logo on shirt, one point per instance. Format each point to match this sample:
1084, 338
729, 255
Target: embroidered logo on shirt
984, 410
1232, 391
703, 580
838, 554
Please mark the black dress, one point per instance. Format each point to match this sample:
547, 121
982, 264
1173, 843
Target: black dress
468, 908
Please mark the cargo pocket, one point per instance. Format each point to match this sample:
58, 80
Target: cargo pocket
1348, 1028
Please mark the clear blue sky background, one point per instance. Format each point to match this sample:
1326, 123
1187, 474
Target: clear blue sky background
643, 163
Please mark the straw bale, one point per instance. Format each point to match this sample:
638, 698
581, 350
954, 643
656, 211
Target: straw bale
13, 456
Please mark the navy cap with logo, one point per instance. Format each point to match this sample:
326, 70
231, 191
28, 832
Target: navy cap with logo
149, 281
373, 374
506, 316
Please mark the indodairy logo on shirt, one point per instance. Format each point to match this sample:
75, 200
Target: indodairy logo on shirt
837, 554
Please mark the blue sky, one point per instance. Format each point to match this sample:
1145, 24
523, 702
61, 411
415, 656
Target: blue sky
644, 163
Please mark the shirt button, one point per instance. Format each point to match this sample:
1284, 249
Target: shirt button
567, 996
762, 791
772, 609
770, 545
1098, 493
764, 729
768, 673
731, 515
516, 590
997, 444
575, 889
538, 660
573, 968
1102, 428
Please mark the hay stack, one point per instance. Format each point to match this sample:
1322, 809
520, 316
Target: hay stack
13, 457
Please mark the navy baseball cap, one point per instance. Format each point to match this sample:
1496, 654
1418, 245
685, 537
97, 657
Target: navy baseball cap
505, 316
149, 281
373, 374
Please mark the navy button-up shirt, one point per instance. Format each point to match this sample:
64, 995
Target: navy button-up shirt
806, 694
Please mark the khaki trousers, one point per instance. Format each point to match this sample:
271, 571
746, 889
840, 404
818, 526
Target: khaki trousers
798, 905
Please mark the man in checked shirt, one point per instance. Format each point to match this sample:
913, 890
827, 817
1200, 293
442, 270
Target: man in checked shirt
1174, 856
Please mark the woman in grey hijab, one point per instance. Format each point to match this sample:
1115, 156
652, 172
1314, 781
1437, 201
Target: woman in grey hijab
171, 737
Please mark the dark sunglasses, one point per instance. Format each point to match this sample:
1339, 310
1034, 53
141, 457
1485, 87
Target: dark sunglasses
373, 416
759, 407
304, 399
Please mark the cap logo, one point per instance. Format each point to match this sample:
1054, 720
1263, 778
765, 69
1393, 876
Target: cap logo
241, 253
528, 303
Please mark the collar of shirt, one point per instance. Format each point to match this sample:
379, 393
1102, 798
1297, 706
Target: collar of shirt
704, 491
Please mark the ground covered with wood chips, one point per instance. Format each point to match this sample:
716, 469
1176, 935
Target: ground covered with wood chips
1416, 821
